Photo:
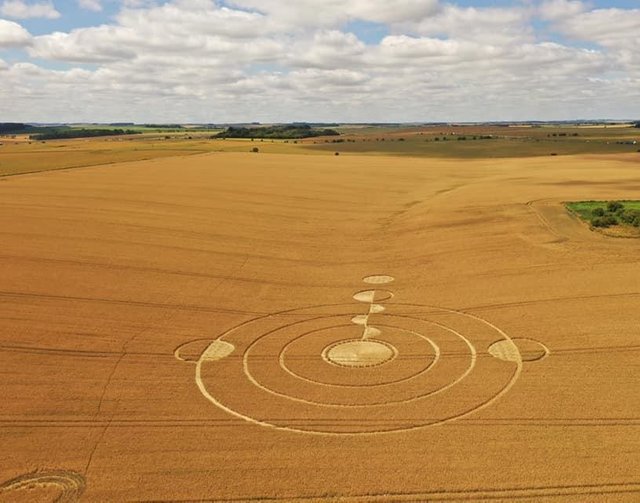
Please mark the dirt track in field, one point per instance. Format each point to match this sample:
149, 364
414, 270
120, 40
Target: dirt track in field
186, 329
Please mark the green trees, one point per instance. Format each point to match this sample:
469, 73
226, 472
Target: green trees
64, 134
631, 217
615, 213
14, 127
606, 221
614, 206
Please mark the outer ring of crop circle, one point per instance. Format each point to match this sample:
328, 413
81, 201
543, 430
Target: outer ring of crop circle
486, 403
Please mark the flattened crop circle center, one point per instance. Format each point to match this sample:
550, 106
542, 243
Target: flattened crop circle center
359, 353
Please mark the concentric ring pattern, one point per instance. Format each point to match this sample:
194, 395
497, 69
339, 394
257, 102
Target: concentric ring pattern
345, 370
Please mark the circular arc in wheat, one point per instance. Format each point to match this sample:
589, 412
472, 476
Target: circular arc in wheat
314, 315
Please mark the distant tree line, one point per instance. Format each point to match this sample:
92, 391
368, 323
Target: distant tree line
163, 126
65, 134
283, 132
15, 128
637, 124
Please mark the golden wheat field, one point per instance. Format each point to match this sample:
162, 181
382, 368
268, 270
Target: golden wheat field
282, 327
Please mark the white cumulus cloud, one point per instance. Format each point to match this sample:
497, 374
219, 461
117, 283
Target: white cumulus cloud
93, 5
489, 25
13, 35
333, 12
561, 9
278, 60
22, 10
616, 30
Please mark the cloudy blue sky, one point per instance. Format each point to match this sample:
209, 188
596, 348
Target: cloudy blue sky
318, 60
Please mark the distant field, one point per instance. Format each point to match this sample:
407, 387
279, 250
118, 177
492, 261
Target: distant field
151, 128
473, 142
23, 157
18, 154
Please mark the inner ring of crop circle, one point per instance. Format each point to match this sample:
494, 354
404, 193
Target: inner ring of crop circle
359, 353
432, 363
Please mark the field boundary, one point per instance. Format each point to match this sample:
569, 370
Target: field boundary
508, 494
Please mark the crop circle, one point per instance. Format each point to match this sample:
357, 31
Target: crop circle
317, 370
